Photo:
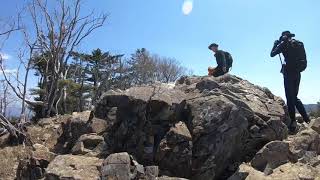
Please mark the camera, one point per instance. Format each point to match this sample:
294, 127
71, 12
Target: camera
283, 38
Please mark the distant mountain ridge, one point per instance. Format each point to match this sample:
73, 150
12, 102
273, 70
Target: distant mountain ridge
311, 107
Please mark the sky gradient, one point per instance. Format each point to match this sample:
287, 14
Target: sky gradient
245, 28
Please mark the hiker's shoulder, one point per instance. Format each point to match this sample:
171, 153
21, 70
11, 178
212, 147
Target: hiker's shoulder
220, 52
296, 41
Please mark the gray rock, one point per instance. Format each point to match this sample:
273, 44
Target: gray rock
74, 167
152, 171
91, 141
78, 149
122, 166
97, 125
316, 125
217, 112
175, 151
254, 129
271, 156
117, 166
88, 143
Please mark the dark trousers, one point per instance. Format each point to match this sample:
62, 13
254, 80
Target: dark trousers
291, 85
218, 72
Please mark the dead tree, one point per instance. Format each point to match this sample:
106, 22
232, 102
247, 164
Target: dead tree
6, 97
55, 34
16, 133
58, 33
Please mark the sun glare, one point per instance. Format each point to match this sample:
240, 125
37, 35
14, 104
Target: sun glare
187, 7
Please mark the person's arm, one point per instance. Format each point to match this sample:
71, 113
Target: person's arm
277, 48
221, 60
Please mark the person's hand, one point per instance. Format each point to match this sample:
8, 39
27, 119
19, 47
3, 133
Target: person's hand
276, 42
224, 69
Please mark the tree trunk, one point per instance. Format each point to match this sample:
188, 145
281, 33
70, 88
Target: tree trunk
18, 135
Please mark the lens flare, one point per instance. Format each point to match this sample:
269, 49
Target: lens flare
187, 7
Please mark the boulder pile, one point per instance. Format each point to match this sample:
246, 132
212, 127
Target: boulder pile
203, 128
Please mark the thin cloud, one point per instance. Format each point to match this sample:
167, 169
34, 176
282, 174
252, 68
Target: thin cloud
10, 71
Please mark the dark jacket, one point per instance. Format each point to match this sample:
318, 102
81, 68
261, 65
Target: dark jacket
221, 59
286, 50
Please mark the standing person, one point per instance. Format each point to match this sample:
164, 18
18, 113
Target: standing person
224, 61
294, 63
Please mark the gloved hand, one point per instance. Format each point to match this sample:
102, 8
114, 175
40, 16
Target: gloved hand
276, 42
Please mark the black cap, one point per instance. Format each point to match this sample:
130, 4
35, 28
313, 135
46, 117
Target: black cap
213, 45
288, 33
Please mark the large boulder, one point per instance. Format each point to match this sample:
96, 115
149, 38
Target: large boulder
204, 124
175, 151
139, 118
303, 142
117, 166
74, 167
230, 119
271, 156
219, 132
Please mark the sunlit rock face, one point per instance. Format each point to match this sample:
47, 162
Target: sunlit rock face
201, 128
198, 128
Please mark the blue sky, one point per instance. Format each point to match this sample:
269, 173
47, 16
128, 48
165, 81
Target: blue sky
245, 28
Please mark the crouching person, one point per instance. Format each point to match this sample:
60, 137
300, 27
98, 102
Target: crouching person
224, 61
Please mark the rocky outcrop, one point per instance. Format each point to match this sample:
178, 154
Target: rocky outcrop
34, 166
296, 158
48, 131
201, 128
60, 134
138, 119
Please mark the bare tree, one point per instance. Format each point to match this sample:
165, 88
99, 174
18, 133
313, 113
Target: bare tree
55, 34
16, 133
58, 33
143, 67
168, 69
19, 85
6, 98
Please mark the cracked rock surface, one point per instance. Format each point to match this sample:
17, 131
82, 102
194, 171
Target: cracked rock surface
202, 128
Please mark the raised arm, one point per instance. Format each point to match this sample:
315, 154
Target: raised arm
277, 48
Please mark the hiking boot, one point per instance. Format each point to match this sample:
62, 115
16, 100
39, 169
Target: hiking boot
293, 127
307, 120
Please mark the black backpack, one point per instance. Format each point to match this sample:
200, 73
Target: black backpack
298, 55
229, 59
